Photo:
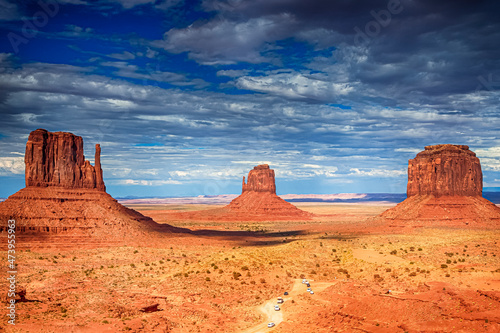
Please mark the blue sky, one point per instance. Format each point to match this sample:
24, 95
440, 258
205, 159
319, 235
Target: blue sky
186, 97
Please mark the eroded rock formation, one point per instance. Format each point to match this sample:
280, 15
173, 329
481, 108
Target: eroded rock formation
65, 200
445, 185
260, 179
445, 170
56, 159
257, 202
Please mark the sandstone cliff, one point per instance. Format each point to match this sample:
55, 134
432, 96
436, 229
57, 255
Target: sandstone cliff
260, 179
257, 202
445, 170
65, 203
445, 185
56, 159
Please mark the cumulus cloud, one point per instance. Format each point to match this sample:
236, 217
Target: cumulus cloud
239, 83
376, 172
296, 85
227, 42
11, 165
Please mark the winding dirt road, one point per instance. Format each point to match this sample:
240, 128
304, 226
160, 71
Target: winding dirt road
277, 316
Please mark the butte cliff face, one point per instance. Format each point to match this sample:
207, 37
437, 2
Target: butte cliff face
56, 159
65, 200
445, 185
260, 179
258, 197
258, 202
444, 170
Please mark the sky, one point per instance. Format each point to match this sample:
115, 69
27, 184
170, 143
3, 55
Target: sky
185, 97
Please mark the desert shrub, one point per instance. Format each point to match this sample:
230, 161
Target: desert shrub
388, 270
448, 261
262, 280
244, 268
236, 275
207, 279
136, 251
132, 265
444, 266
334, 250
394, 252
252, 282
413, 274
313, 272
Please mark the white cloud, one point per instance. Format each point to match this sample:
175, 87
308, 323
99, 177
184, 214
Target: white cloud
233, 72
227, 42
146, 182
376, 172
9, 165
125, 55
296, 86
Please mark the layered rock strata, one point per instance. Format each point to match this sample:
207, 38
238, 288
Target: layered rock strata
65, 196
257, 202
56, 159
445, 185
445, 170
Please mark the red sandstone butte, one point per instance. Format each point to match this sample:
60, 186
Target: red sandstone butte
445, 170
445, 185
56, 159
260, 179
257, 202
65, 201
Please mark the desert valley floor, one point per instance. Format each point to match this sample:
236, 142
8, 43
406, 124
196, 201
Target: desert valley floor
226, 277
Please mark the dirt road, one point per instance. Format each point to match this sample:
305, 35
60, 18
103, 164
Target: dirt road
277, 316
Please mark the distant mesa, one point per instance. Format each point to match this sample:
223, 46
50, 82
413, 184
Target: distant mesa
445, 184
65, 200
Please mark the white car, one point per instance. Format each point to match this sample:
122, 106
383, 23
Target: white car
280, 300
309, 290
304, 280
270, 325
276, 308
